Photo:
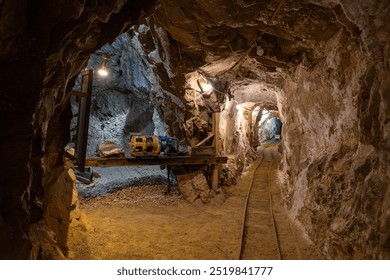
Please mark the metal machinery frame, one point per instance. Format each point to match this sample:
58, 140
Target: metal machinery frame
213, 160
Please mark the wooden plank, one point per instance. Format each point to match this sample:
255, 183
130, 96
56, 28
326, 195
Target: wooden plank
215, 177
78, 93
203, 151
204, 140
182, 160
68, 155
216, 143
83, 119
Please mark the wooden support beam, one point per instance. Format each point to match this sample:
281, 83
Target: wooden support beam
204, 151
78, 93
141, 161
215, 167
68, 155
204, 140
83, 119
215, 177
216, 142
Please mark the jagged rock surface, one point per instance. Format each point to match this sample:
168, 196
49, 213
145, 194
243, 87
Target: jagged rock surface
324, 64
43, 47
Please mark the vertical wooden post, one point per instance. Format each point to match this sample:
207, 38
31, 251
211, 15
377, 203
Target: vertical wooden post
215, 177
83, 119
216, 142
216, 145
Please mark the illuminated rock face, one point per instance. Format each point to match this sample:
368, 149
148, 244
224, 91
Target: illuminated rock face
323, 64
120, 101
335, 170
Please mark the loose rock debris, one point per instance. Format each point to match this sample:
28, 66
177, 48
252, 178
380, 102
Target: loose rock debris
140, 196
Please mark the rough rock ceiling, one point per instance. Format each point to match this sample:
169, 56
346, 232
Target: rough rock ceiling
331, 55
327, 64
296, 28
43, 45
236, 44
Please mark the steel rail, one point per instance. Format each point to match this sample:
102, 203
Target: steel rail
272, 211
245, 212
246, 209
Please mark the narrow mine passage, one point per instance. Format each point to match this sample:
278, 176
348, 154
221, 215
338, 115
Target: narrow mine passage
260, 224
268, 232
143, 223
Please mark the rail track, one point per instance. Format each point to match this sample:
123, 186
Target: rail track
266, 229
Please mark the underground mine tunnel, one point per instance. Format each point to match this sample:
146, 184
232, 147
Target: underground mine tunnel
293, 95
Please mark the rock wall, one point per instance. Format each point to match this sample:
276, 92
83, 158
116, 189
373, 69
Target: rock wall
120, 101
237, 134
326, 62
152, 45
325, 65
336, 142
54, 237
44, 45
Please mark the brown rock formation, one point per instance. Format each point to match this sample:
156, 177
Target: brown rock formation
323, 64
326, 64
43, 46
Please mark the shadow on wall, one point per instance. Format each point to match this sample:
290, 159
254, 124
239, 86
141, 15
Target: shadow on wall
50, 237
58, 202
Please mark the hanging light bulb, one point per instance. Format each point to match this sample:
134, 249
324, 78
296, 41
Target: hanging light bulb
259, 51
103, 70
207, 86
204, 85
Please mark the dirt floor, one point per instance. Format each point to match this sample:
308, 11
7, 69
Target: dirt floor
144, 223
